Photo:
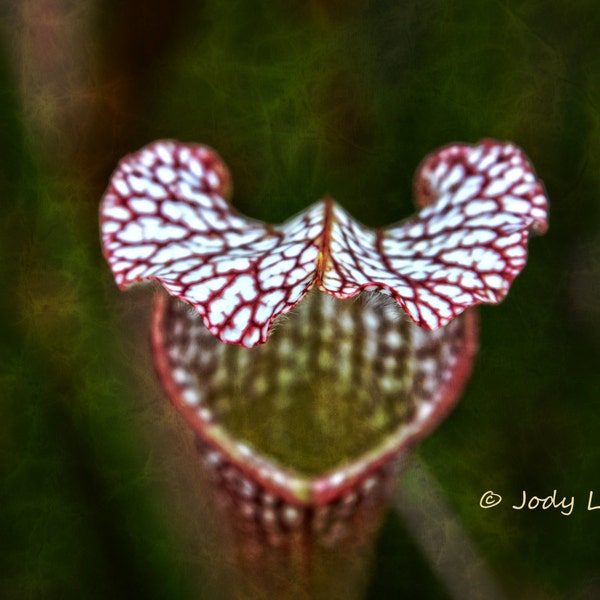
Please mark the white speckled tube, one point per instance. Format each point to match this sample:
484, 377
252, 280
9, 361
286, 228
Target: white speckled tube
299, 518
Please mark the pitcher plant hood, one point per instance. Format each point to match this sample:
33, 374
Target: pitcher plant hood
166, 217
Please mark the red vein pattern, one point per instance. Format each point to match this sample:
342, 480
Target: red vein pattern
164, 217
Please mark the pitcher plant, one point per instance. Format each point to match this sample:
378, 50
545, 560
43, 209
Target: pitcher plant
309, 357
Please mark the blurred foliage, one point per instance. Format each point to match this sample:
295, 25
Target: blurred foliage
300, 99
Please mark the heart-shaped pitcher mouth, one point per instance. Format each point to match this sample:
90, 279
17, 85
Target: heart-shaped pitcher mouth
300, 436
340, 389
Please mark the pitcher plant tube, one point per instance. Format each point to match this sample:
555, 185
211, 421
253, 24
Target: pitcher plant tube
308, 357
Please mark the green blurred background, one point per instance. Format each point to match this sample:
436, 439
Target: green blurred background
99, 493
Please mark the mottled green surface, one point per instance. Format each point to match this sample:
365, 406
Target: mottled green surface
308, 410
300, 99
334, 381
